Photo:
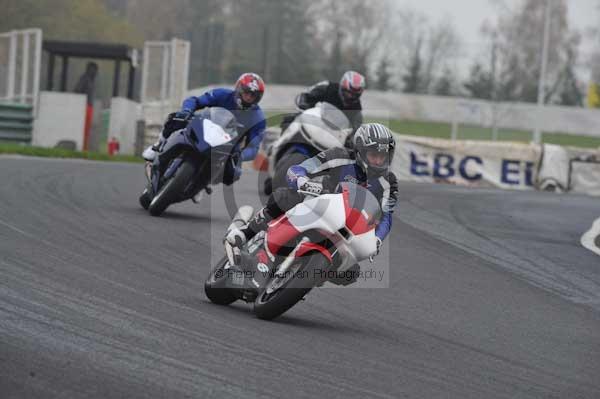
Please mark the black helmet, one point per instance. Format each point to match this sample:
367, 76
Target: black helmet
371, 141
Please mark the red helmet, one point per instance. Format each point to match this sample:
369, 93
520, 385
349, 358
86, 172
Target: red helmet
249, 89
352, 86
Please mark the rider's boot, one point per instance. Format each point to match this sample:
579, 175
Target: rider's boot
150, 153
239, 236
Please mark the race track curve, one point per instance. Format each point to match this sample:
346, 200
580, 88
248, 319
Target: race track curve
490, 295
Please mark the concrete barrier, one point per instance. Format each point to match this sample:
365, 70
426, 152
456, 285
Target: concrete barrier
61, 117
124, 115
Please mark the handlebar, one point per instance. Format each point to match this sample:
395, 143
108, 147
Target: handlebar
309, 194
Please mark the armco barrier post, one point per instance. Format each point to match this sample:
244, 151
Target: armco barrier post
140, 133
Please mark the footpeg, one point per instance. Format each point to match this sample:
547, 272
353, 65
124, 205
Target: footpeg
198, 197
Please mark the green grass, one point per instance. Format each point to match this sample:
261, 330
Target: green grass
443, 131
28, 150
274, 119
570, 140
415, 128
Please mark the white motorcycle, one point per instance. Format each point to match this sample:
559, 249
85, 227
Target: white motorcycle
314, 130
321, 239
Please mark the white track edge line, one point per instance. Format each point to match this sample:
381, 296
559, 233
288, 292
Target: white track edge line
588, 240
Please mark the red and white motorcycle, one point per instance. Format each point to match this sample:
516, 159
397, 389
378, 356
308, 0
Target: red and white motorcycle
320, 239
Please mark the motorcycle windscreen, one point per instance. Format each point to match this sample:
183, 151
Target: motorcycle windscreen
324, 127
334, 118
223, 118
362, 209
213, 127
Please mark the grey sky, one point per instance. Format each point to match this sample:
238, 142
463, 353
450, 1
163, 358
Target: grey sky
468, 15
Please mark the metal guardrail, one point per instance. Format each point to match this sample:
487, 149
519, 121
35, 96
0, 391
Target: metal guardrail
16, 122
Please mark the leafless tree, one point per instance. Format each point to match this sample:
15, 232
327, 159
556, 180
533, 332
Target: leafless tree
519, 35
423, 51
354, 32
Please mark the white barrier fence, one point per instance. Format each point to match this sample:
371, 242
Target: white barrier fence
468, 163
165, 75
570, 169
452, 110
504, 165
20, 62
520, 116
124, 115
61, 117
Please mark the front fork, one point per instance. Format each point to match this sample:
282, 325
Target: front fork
152, 171
148, 171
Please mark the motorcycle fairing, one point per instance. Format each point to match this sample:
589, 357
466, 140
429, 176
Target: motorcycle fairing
202, 135
331, 215
310, 129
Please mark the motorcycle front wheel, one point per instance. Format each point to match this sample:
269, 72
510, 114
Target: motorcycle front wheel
145, 199
215, 283
279, 296
172, 190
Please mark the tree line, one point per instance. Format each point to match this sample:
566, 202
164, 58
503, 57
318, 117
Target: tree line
304, 41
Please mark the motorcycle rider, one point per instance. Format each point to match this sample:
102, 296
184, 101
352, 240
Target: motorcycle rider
366, 164
344, 95
242, 101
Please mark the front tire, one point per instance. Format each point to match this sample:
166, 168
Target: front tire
145, 199
268, 306
213, 286
172, 190
268, 186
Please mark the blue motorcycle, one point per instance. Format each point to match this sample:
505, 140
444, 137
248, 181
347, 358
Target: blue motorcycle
191, 159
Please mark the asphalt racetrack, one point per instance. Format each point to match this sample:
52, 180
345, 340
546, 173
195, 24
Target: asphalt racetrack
490, 295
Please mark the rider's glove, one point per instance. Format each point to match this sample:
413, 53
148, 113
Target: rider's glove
300, 181
378, 243
236, 237
176, 121
308, 186
184, 115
